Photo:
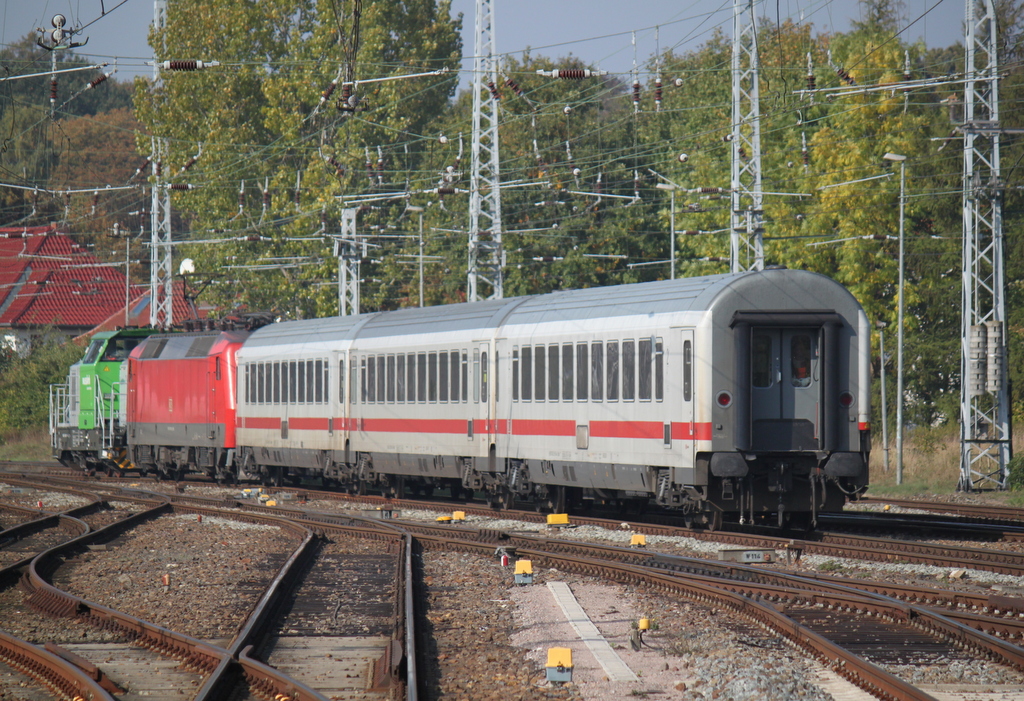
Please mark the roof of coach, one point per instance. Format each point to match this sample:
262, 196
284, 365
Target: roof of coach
695, 294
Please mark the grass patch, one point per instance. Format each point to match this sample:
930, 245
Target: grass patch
25, 444
931, 464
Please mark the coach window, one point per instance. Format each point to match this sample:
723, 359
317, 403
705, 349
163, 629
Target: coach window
276, 398
400, 377
483, 376
421, 377
761, 361
371, 379
612, 366
582, 372
353, 385
567, 365
259, 383
381, 378
431, 377
362, 379
312, 376
391, 380
300, 381
442, 376
539, 377
515, 374
325, 381
465, 376
294, 381
454, 374
597, 371
476, 375
527, 373
800, 359
659, 370
341, 382
628, 371
554, 377
687, 371
410, 379
643, 374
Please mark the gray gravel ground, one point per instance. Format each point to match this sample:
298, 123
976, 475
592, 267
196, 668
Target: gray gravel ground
202, 561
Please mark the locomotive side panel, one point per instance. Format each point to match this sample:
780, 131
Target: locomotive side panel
181, 403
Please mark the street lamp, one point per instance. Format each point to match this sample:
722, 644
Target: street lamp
885, 419
671, 187
897, 158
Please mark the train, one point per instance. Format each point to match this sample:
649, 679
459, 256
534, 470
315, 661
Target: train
741, 396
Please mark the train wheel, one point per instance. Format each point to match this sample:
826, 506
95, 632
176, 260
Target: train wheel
714, 520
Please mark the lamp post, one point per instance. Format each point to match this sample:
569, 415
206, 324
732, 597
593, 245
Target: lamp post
885, 418
897, 158
671, 187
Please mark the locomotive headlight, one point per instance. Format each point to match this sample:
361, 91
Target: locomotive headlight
846, 399
723, 399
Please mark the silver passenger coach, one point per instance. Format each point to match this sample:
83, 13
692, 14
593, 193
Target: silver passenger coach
743, 396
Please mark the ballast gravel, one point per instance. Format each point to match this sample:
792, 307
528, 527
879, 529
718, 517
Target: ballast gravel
194, 577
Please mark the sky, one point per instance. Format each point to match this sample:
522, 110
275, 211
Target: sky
598, 31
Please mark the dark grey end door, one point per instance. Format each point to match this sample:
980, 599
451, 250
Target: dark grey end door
785, 392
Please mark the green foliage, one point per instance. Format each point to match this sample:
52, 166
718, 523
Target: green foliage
25, 383
1015, 482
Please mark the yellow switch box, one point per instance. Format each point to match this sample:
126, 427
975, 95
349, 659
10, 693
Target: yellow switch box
558, 519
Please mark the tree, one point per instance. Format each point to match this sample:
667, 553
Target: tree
263, 126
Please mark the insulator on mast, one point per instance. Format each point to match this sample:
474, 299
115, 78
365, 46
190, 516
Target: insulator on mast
328, 91
53, 90
339, 170
95, 201
657, 94
138, 171
841, 72
636, 95
159, 168
571, 73
493, 89
192, 161
812, 82
188, 65
181, 186
298, 188
96, 81
805, 155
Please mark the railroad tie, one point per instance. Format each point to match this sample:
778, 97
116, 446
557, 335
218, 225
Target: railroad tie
613, 666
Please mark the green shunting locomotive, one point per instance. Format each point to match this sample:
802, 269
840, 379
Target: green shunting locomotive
87, 427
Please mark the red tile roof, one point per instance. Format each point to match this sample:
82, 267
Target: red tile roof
138, 310
48, 279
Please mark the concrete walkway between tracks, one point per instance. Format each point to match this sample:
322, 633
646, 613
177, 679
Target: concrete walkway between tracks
614, 667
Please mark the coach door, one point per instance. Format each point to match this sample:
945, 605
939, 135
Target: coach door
785, 392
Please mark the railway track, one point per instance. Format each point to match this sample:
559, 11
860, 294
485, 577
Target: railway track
161, 663
829, 618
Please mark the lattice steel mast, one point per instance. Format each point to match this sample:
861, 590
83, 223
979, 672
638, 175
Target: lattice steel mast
161, 274
746, 251
347, 249
984, 396
486, 256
